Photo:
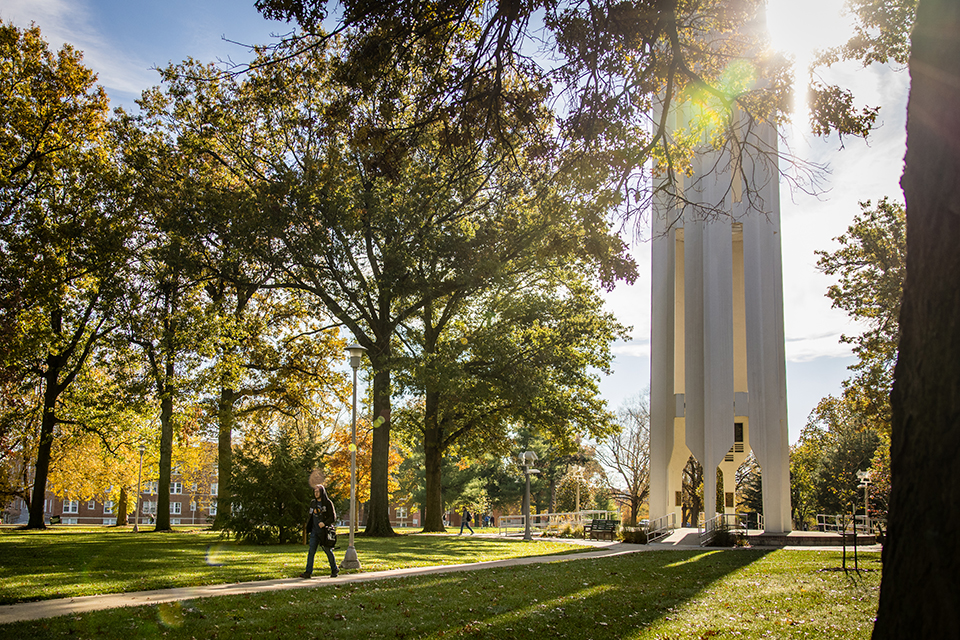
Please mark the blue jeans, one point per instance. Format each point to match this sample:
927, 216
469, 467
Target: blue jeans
314, 543
464, 523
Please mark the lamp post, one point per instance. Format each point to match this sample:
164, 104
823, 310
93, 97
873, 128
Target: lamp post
136, 514
528, 457
350, 559
579, 480
865, 484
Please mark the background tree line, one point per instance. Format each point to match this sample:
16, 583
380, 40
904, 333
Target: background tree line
191, 265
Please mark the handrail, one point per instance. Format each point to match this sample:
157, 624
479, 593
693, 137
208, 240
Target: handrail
843, 522
661, 527
551, 520
708, 531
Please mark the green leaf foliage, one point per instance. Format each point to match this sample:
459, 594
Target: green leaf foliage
871, 266
271, 489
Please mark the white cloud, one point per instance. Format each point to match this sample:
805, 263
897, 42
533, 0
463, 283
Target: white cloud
123, 73
631, 349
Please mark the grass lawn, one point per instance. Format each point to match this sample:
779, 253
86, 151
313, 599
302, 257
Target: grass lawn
65, 562
675, 594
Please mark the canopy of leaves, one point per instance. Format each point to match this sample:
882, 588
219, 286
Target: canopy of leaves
871, 266
603, 65
837, 442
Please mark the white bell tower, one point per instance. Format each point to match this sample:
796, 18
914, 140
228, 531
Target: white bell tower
718, 370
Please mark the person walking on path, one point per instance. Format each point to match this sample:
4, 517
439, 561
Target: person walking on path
322, 515
465, 522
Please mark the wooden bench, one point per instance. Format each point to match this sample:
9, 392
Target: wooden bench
600, 529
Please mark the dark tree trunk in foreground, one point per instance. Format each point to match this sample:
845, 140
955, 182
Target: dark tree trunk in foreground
920, 592
122, 507
226, 421
378, 515
433, 465
166, 449
47, 424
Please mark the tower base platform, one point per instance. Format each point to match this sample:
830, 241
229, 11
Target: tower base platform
808, 539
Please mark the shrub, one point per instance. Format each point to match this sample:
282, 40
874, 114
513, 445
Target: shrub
633, 535
570, 531
724, 537
271, 490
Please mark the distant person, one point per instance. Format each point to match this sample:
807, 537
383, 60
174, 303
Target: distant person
322, 515
465, 522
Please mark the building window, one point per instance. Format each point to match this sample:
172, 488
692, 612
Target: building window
728, 499
108, 507
213, 488
151, 487
176, 507
69, 521
71, 506
109, 522
91, 505
213, 508
176, 488
174, 521
738, 432
149, 507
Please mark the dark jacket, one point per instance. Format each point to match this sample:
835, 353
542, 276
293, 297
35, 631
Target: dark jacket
321, 511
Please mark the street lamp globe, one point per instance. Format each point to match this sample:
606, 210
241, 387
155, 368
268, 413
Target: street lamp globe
355, 351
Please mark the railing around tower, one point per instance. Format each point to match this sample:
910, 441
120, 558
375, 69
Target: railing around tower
722, 521
661, 527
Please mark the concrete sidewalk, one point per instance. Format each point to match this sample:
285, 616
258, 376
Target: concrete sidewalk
72, 606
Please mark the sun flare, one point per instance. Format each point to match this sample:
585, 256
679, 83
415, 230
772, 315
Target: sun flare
800, 29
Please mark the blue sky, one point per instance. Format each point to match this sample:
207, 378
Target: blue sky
124, 40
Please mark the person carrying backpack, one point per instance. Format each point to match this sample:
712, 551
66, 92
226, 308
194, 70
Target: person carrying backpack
465, 522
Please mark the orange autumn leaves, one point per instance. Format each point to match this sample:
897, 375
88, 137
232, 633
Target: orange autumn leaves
338, 461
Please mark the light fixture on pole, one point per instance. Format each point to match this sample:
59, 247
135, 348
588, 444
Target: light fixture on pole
350, 559
528, 458
865, 485
136, 513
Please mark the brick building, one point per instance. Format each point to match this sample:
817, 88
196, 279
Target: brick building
188, 506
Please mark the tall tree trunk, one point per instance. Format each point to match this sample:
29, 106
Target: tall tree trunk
166, 446
122, 508
226, 421
433, 464
47, 423
920, 588
378, 514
